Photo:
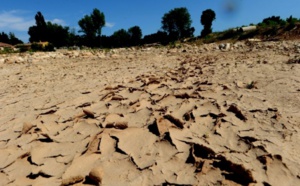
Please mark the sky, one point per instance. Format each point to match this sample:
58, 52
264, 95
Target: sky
17, 16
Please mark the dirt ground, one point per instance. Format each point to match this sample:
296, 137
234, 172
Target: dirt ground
190, 115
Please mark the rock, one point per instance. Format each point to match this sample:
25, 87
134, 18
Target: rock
225, 46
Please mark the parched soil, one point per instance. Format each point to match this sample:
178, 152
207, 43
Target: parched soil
191, 115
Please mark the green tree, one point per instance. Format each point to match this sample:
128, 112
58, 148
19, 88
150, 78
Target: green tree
4, 38
158, 37
9, 38
91, 26
39, 31
177, 23
13, 40
120, 38
135, 34
86, 25
57, 34
207, 17
98, 19
54, 33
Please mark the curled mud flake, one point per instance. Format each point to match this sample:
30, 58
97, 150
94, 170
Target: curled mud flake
26, 127
121, 125
86, 92
51, 111
117, 125
117, 98
238, 113
235, 172
88, 113
72, 180
109, 94
34, 176
175, 121
84, 105
182, 96
96, 174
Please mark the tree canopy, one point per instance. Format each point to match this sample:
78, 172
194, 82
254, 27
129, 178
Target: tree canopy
57, 34
38, 32
98, 20
120, 38
177, 23
91, 26
53, 33
207, 17
9, 38
135, 34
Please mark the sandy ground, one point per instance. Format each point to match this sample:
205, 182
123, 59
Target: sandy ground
152, 116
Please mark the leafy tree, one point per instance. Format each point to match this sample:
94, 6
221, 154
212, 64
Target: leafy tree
9, 38
13, 40
207, 17
177, 23
91, 26
135, 34
291, 23
86, 25
4, 37
54, 33
73, 39
120, 38
98, 20
39, 31
57, 34
158, 37
272, 20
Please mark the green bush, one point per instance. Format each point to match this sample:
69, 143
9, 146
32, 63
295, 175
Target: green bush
249, 34
36, 47
209, 38
230, 34
39, 47
6, 50
49, 47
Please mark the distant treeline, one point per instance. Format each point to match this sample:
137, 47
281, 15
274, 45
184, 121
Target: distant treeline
176, 25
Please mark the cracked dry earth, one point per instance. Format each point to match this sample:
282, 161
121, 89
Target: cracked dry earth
154, 116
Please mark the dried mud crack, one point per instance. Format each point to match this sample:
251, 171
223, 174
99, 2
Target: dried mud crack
158, 117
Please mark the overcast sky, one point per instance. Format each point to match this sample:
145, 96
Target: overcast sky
18, 15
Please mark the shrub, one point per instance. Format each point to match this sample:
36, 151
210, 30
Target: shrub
49, 47
36, 47
230, 34
41, 47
